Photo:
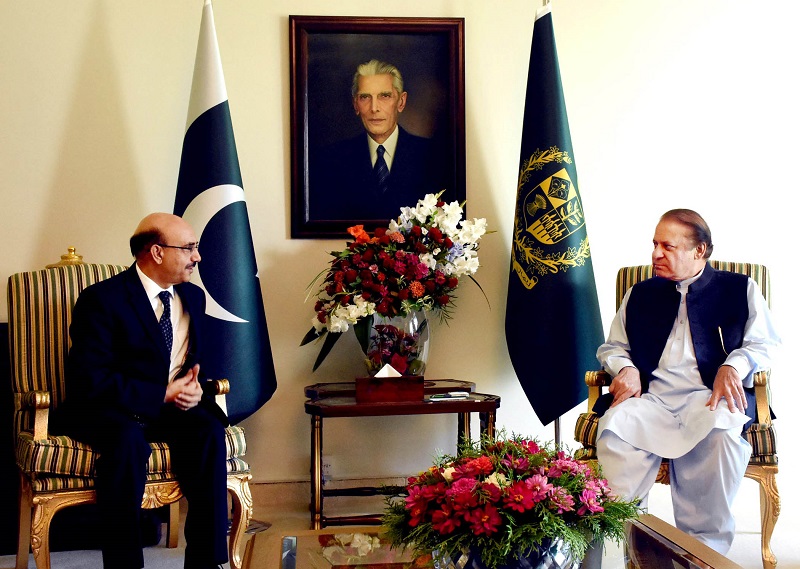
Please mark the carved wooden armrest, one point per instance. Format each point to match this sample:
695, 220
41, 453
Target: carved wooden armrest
218, 388
760, 383
37, 403
596, 380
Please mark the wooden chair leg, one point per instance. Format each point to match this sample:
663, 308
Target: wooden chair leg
770, 508
24, 537
173, 524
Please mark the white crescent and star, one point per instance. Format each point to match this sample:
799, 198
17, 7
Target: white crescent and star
199, 213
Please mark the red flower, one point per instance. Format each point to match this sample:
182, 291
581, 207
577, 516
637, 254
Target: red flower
399, 363
444, 521
474, 467
519, 497
484, 520
490, 493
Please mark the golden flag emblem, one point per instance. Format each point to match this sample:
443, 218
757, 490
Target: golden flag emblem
552, 210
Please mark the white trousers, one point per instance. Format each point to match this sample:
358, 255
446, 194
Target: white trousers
703, 482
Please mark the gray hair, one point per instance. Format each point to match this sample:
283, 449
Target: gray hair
375, 67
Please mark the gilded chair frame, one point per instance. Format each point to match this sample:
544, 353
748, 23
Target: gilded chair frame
763, 466
55, 471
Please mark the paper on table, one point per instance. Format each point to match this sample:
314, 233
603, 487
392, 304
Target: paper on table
388, 371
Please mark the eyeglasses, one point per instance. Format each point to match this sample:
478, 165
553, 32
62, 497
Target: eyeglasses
190, 248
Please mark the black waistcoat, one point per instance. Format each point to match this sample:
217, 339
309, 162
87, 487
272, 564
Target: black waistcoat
718, 311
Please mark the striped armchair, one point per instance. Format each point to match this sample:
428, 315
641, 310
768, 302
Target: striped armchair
763, 464
56, 471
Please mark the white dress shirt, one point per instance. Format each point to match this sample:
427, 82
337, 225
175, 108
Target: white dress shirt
178, 316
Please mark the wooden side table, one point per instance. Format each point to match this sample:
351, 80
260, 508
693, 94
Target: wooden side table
346, 406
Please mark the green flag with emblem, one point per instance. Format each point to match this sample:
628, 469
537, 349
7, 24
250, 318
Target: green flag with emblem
553, 325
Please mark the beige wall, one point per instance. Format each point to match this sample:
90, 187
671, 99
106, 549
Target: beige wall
671, 104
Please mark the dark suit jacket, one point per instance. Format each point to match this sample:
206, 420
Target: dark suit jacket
342, 185
118, 358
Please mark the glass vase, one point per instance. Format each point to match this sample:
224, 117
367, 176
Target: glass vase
551, 554
402, 342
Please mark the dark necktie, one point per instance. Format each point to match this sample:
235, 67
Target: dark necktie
165, 323
381, 170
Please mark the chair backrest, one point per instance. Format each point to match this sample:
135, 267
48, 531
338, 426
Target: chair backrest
629, 276
39, 314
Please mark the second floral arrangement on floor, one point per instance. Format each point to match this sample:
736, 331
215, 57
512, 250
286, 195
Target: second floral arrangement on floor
413, 265
503, 500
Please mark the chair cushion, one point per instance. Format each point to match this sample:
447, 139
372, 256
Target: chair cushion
62, 456
760, 436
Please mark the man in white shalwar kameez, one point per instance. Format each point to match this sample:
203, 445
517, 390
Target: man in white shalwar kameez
681, 391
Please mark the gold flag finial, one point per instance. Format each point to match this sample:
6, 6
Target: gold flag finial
70, 258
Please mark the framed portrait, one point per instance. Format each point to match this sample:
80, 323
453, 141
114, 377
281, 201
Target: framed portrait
364, 144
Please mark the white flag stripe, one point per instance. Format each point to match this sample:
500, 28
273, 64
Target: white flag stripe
208, 82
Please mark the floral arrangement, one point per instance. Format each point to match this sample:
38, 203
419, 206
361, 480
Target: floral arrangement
503, 499
359, 549
414, 264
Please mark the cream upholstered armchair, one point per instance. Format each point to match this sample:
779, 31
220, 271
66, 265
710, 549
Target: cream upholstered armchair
763, 464
56, 472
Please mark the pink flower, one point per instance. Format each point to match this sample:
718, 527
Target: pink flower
539, 487
462, 493
589, 503
561, 501
516, 463
531, 447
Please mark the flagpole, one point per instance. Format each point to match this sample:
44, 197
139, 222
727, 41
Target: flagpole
557, 431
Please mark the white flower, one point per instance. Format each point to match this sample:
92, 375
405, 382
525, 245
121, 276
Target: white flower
425, 207
447, 473
471, 231
497, 479
343, 316
318, 326
365, 543
448, 217
428, 259
463, 265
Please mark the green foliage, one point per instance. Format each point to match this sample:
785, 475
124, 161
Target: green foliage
503, 498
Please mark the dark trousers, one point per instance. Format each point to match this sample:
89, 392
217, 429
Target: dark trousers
196, 439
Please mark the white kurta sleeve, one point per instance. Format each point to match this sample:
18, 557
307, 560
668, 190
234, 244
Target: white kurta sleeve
761, 340
614, 353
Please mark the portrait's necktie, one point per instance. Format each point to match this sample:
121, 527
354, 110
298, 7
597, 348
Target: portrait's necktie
165, 322
381, 170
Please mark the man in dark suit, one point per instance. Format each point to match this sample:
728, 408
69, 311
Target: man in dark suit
133, 376
381, 170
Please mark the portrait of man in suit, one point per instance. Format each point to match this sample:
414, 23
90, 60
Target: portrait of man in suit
385, 167
377, 119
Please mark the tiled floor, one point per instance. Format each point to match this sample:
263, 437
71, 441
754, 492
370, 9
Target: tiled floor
285, 507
